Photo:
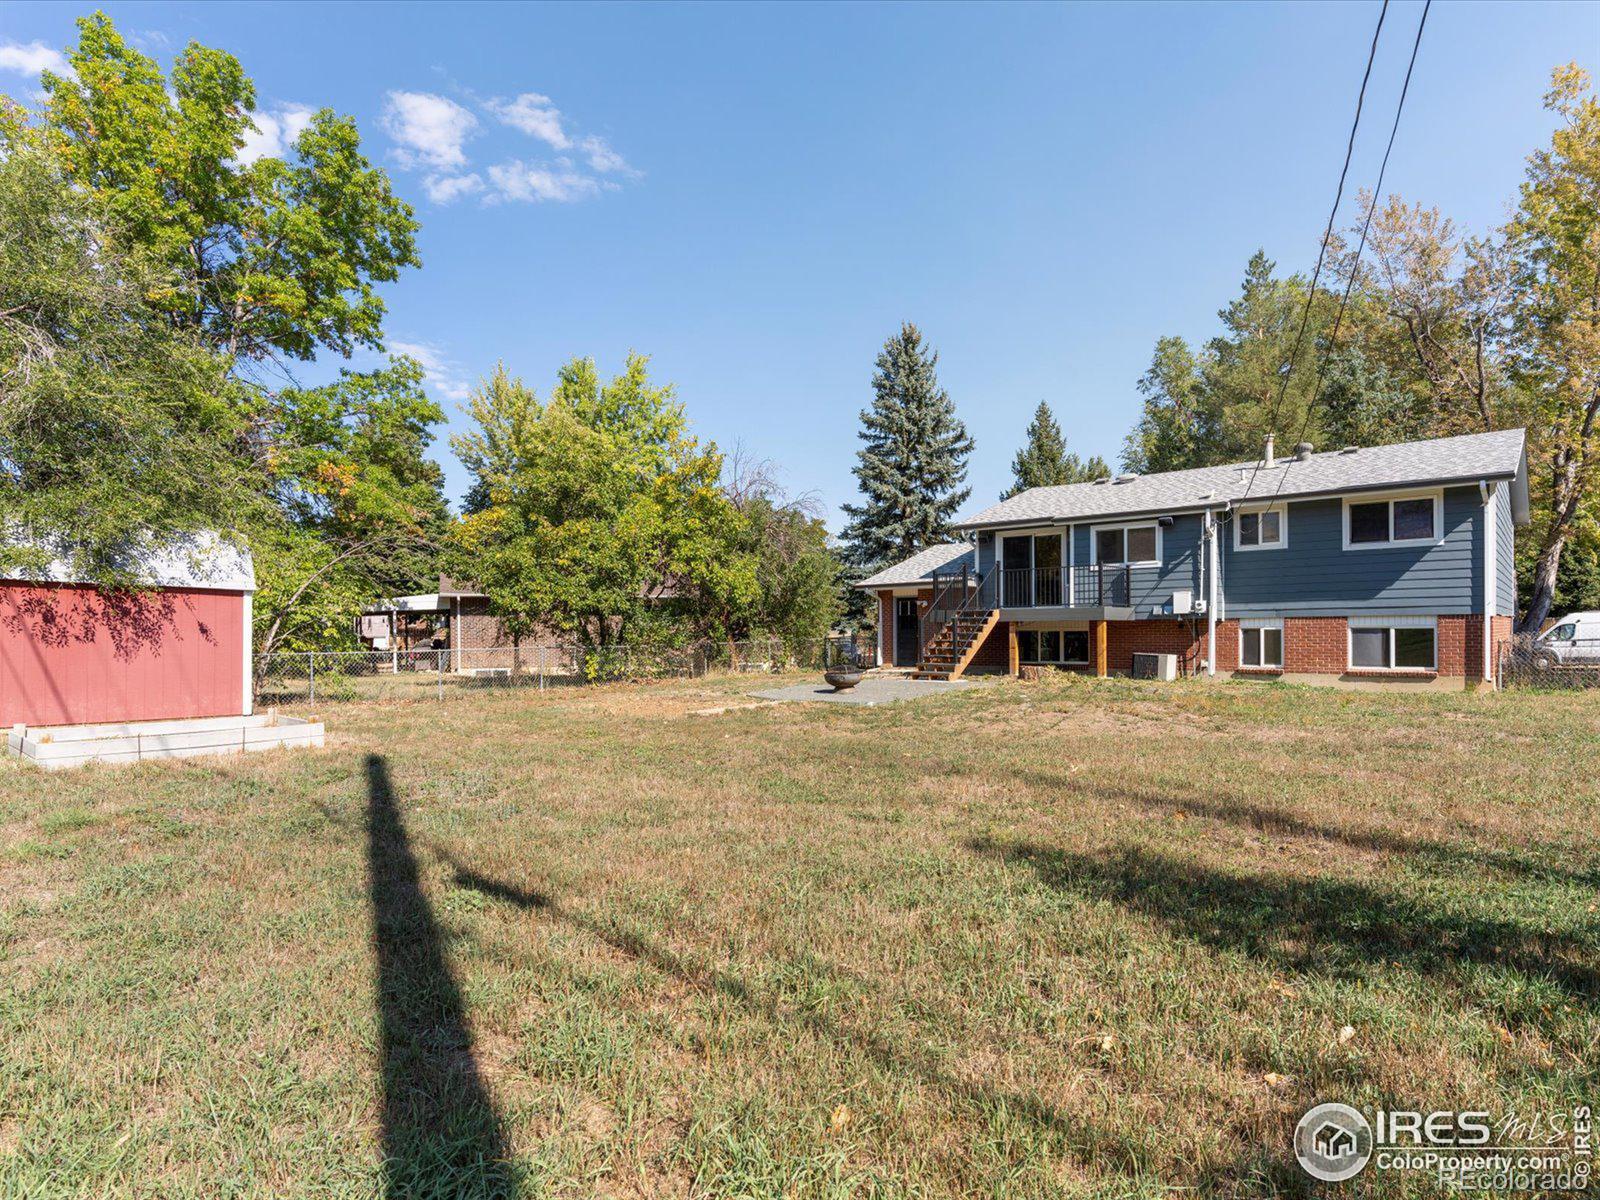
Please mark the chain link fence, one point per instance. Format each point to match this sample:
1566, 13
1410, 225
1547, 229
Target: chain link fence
327, 677
1549, 662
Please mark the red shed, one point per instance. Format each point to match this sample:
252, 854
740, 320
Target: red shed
72, 653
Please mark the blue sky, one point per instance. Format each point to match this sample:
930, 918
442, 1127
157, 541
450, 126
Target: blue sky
757, 196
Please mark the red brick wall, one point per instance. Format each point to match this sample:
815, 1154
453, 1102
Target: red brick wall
996, 648
1125, 638
1316, 645
1311, 645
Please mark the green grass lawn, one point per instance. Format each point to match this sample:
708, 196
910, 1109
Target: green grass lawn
1065, 938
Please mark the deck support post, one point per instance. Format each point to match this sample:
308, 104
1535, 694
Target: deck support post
1013, 661
1100, 649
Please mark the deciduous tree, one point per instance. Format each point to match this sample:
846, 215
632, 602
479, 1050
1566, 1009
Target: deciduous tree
280, 256
1555, 336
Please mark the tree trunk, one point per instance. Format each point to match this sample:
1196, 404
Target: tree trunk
1544, 583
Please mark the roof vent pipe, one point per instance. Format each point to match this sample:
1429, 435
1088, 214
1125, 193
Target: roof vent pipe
1268, 460
1303, 451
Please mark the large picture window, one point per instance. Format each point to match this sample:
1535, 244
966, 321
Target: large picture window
1135, 544
1392, 521
1393, 644
1067, 647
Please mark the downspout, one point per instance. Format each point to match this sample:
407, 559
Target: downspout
1212, 592
1490, 568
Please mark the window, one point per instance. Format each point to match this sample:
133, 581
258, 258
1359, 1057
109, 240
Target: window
1562, 633
1261, 646
1393, 644
1068, 646
1369, 524
1137, 544
1260, 530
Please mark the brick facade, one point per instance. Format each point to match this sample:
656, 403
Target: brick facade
1126, 638
478, 640
995, 652
1313, 647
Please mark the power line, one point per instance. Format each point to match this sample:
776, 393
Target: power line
1327, 235
1355, 266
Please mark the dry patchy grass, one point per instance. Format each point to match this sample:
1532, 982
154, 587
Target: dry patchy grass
1064, 938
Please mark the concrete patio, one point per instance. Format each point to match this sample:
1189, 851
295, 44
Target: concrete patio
887, 688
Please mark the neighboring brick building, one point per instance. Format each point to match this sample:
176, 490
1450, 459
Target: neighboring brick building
1390, 564
455, 619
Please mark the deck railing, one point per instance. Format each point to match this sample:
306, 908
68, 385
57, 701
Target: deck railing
957, 591
1102, 585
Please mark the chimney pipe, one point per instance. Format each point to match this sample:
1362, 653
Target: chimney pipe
1270, 461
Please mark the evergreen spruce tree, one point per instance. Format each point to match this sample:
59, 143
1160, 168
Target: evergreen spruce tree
914, 463
1045, 462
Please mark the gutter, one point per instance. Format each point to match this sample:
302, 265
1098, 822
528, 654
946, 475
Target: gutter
1184, 509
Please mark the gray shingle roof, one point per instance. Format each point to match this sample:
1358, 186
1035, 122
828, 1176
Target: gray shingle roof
919, 568
1471, 456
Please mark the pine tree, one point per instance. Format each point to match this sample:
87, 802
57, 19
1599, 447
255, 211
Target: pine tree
914, 463
1045, 462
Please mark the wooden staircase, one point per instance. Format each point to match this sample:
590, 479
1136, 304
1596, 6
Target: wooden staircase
948, 654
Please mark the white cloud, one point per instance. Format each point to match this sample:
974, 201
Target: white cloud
532, 182
275, 132
603, 158
444, 189
534, 115
443, 375
430, 129
33, 58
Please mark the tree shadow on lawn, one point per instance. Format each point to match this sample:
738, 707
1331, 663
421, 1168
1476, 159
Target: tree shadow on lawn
441, 1134
1248, 815
1331, 927
1086, 1143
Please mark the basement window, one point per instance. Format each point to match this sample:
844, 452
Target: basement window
1065, 647
1261, 645
1394, 644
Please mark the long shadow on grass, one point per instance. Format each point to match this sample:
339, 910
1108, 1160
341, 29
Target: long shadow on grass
441, 1134
1248, 815
1334, 927
1083, 1141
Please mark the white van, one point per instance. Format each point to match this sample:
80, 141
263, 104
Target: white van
1572, 641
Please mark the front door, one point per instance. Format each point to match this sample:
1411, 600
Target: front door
907, 635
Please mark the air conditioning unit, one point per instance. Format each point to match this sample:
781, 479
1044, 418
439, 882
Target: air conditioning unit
1155, 666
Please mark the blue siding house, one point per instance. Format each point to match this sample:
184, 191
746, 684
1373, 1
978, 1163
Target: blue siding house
1385, 564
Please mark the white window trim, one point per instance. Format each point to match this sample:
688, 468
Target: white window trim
1094, 543
1391, 624
1283, 526
1263, 623
1389, 498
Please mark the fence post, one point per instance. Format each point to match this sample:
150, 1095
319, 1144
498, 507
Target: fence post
311, 673
438, 658
541, 666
